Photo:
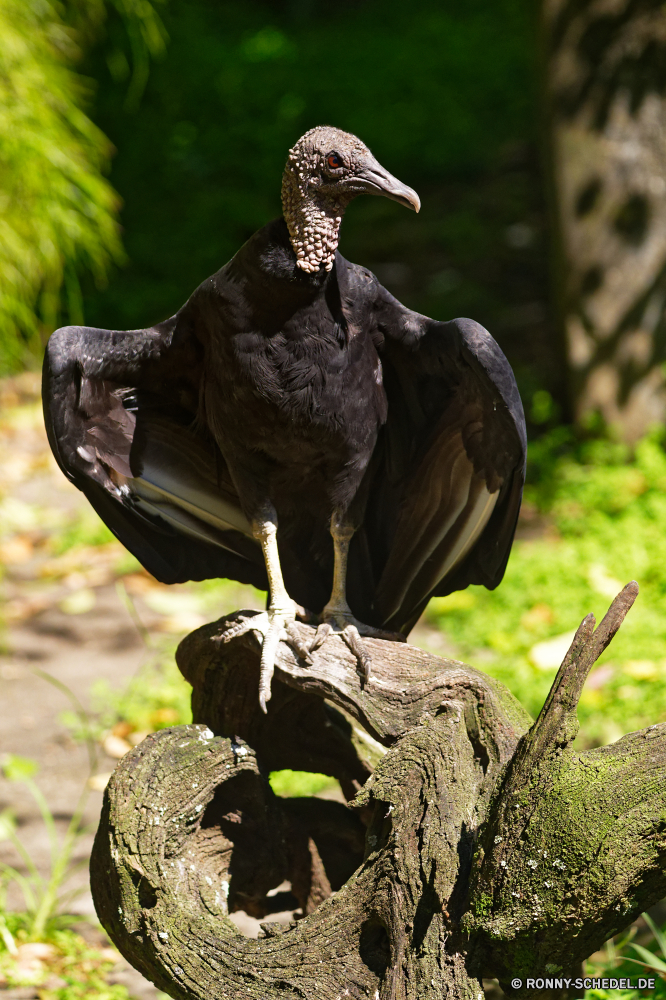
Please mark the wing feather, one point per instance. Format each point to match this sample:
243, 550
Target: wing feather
177, 467
447, 475
445, 512
160, 486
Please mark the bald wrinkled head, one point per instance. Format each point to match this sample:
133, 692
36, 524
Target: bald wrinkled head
326, 169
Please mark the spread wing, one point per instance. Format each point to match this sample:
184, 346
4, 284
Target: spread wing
121, 413
448, 472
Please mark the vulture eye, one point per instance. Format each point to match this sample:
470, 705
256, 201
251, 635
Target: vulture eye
334, 161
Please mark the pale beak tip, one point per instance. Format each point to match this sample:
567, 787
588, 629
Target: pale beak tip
412, 200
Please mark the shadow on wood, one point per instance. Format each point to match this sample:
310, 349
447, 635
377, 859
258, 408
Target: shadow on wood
476, 845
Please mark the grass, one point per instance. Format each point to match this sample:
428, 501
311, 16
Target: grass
38, 947
625, 957
62, 967
45, 897
299, 784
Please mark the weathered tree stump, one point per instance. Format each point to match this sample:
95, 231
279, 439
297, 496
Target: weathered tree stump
476, 845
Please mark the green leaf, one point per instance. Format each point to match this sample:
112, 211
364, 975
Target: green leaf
59, 212
649, 959
659, 935
7, 824
7, 937
299, 784
17, 768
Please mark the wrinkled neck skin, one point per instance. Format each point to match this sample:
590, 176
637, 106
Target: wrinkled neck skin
313, 222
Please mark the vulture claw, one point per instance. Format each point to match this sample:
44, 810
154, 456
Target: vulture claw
351, 636
350, 630
297, 644
277, 625
274, 626
324, 629
239, 627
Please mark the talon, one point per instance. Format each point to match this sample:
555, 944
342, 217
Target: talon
274, 627
267, 668
324, 629
265, 679
297, 644
233, 631
340, 621
351, 636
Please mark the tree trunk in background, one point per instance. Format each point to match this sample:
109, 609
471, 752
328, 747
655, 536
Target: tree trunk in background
606, 101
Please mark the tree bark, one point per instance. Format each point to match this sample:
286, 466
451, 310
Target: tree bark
605, 86
478, 845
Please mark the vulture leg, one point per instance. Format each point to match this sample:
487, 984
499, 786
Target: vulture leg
277, 622
337, 617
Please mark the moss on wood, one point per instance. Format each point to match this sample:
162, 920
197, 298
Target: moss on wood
476, 844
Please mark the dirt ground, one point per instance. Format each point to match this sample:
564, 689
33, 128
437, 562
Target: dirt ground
101, 643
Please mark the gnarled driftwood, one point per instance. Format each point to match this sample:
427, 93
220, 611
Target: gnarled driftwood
476, 844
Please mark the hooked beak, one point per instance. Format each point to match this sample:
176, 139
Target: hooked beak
374, 179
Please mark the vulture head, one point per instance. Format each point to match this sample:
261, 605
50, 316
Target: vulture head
325, 170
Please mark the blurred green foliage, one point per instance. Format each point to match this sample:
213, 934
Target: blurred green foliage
156, 697
638, 952
298, 784
445, 95
59, 212
84, 529
67, 969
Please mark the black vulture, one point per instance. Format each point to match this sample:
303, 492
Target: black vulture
293, 389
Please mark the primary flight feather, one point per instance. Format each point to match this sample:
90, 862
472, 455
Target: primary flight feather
295, 427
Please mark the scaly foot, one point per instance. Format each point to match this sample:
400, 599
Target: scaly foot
275, 625
340, 621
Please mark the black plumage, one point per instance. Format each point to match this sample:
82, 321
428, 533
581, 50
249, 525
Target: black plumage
289, 389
